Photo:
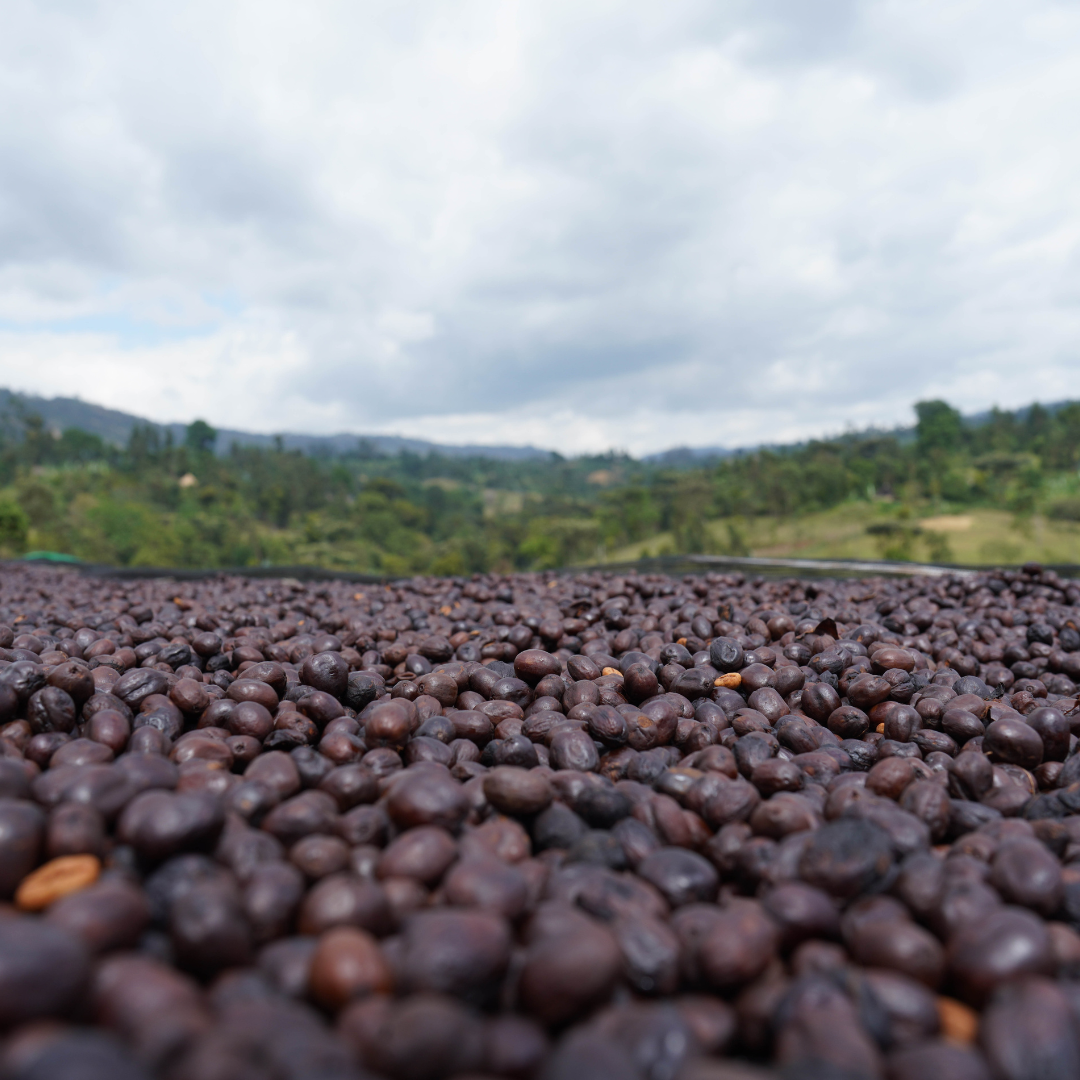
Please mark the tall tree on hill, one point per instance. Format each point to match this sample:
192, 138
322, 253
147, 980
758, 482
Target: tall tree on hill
200, 437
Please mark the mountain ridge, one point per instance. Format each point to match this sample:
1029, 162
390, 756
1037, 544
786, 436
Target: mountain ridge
115, 426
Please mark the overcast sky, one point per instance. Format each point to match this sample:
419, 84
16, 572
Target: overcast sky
577, 223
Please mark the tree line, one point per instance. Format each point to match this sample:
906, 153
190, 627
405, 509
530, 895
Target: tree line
156, 501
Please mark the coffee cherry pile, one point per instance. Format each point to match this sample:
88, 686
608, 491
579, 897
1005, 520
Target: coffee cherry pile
540, 827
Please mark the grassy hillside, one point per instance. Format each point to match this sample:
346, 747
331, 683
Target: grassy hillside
975, 536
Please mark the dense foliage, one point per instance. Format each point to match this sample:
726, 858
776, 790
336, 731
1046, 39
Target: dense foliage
153, 502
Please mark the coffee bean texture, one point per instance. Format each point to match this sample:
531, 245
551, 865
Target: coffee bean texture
539, 827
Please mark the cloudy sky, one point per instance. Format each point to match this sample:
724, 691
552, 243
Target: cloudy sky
578, 223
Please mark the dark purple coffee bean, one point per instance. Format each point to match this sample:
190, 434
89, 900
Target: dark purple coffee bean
740, 943
25, 677
572, 749
638, 840
249, 718
1025, 873
961, 725
326, 671
488, 884
206, 644
320, 708
681, 876
277, 771
422, 853
43, 970
155, 1008
461, 953
9, 703
423, 748
1054, 730
510, 689
109, 728
848, 722
270, 899
819, 701
1013, 741
694, 683
898, 945
75, 829
868, 690
158, 824
349, 785
901, 723
105, 916
14, 779
75, 680
439, 728
582, 668
753, 749
253, 690
425, 798
513, 1045
1004, 945
347, 963
344, 900
425, 1035
286, 964
847, 857
972, 775
571, 964
80, 752
361, 690
134, 687
303, 814
516, 751
802, 912
930, 803
388, 724
602, 806
533, 664
597, 848
937, 1058
557, 827
607, 725
363, 825
726, 654
1029, 1032
518, 792
22, 832
50, 709
92, 1055
799, 736
639, 682
818, 1028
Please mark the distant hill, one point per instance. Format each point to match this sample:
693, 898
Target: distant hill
114, 427
691, 457
688, 457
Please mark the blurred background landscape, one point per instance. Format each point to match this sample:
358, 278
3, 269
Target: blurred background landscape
534, 286
107, 487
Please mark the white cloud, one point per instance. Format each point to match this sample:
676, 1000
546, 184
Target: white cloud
582, 224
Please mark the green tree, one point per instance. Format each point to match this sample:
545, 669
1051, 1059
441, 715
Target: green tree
939, 428
691, 505
14, 527
200, 437
143, 446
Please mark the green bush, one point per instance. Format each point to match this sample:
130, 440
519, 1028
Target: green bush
14, 527
1064, 509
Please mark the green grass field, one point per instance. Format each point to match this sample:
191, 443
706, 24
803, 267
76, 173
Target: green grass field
977, 537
